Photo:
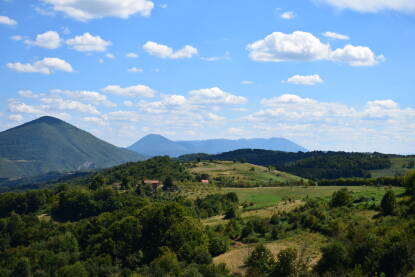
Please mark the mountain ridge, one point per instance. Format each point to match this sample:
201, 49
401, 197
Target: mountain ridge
50, 144
157, 145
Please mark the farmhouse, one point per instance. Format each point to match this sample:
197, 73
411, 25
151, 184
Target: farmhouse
204, 181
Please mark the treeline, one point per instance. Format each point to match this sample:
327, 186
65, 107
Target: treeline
380, 181
314, 165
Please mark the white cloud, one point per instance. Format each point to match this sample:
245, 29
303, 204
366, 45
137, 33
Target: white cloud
164, 51
7, 20
356, 56
16, 117
89, 96
96, 120
17, 37
50, 40
309, 80
226, 56
303, 46
372, 6
135, 70
128, 103
19, 107
163, 6
84, 10
287, 15
87, 43
110, 56
334, 35
215, 96
69, 105
132, 91
132, 55
214, 117
28, 94
123, 116
45, 66
246, 82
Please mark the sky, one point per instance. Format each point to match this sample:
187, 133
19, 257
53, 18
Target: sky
327, 74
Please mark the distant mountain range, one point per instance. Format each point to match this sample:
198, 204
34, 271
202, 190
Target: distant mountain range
156, 145
50, 144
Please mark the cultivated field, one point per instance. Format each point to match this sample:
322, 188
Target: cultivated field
399, 168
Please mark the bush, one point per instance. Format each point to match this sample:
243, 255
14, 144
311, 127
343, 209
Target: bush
342, 197
286, 263
261, 260
388, 204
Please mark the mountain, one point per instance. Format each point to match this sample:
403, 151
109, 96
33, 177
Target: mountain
50, 144
156, 145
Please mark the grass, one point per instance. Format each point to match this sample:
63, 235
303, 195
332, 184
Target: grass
244, 172
267, 197
307, 243
398, 168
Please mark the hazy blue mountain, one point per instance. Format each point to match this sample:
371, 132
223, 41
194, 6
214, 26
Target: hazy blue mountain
156, 145
50, 144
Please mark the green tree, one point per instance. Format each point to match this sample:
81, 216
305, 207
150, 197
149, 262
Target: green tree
77, 269
335, 258
286, 264
410, 182
168, 184
388, 203
22, 268
97, 182
261, 260
342, 197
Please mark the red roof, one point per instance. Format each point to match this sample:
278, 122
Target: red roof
151, 181
204, 181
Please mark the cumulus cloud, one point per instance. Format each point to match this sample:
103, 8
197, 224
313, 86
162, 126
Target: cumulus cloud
226, 56
132, 91
88, 43
110, 56
84, 10
372, 6
308, 80
215, 96
46, 66
16, 117
164, 51
356, 56
19, 107
303, 46
287, 15
17, 37
135, 70
246, 82
7, 20
334, 35
69, 105
28, 94
50, 40
89, 96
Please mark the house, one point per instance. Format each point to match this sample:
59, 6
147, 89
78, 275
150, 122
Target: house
204, 181
117, 186
154, 183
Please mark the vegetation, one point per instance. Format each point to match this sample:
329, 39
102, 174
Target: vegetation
112, 224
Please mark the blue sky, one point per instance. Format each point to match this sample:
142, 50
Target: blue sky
328, 74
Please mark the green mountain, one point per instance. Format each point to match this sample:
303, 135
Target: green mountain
50, 144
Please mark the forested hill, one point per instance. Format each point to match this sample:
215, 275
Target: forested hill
312, 165
50, 144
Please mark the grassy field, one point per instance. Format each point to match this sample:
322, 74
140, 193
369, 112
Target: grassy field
267, 197
398, 168
307, 243
243, 172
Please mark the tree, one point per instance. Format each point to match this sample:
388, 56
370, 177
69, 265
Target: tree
335, 258
232, 212
388, 204
168, 184
410, 182
261, 260
286, 263
97, 182
77, 269
22, 268
342, 197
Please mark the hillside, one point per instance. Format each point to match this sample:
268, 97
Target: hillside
243, 173
156, 145
50, 144
311, 165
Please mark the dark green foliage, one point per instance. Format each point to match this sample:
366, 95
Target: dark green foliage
342, 197
216, 204
388, 203
49, 144
260, 260
286, 265
335, 258
410, 183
